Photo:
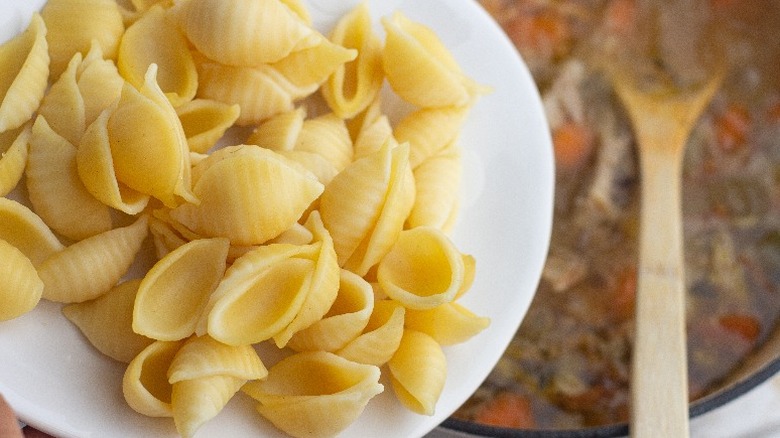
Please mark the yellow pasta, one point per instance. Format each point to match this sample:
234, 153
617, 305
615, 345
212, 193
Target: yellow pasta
73, 25
429, 131
232, 206
437, 183
24, 70
418, 370
26, 231
423, 269
107, 322
365, 205
205, 122
326, 135
354, 85
20, 285
420, 69
140, 47
14, 149
243, 32
381, 336
205, 374
315, 394
55, 190
345, 320
90, 267
308, 68
175, 291
279, 132
373, 136
65, 93
145, 383
447, 324
99, 83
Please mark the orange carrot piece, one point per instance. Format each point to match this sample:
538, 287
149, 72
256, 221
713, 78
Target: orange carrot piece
507, 409
746, 326
732, 127
573, 143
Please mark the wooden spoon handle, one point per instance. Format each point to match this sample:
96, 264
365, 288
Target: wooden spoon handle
659, 376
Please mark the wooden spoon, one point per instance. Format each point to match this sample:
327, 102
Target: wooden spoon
662, 120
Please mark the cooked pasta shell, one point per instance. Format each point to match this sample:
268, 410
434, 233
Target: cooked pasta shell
373, 136
107, 322
315, 163
437, 184
63, 106
315, 394
323, 285
90, 267
418, 371
55, 189
148, 145
73, 25
247, 194
203, 356
354, 85
279, 132
140, 47
260, 92
328, 136
365, 118
448, 324
310, 67
243, 32
345, 320
96, 170
365, 205
20, 285
24, 72
25, 230
145, 382
429, 131
165, 237
205, 122
424, 269
299, 8
99, 83
381, 336
175, 291
194, 402
420, 69
13, 158
144, 5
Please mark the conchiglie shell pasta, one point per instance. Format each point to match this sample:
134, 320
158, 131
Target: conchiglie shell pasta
140, 47
25, 230
312, 66
243, 32
345, 320
424, 269
14, 158
381, 336
420, 69
175, 291
418, 371
24, 70
373, 136
429, 131
107, 322
148, 145
73, 25
96, 170
315, 394
145, 383
63, 106
20, 285
354, 85
99, 83
437, 182
448, 324
327, 135
55, 189
205, 122
280, 132
260, 92
247, 194
90, 267
205, 375
365, 205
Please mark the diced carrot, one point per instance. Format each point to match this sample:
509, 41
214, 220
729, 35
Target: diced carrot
623, 297
746, 326
621, 16
507, 409
573, 143
732, 127
541, 32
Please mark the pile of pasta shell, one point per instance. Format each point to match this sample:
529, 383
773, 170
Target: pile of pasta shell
323, 231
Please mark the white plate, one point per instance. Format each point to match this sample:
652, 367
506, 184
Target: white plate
60, 384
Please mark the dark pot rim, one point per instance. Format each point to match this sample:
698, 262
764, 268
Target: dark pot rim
698, 407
